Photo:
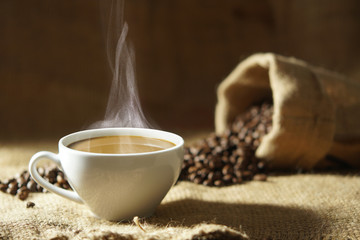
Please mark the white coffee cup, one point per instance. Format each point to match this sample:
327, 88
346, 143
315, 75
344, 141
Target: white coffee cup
115, 186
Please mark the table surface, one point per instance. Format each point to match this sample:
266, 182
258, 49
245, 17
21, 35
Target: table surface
286, 206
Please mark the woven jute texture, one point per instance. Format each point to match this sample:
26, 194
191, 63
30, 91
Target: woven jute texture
297, 206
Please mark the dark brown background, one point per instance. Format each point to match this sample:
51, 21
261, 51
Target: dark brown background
54, 76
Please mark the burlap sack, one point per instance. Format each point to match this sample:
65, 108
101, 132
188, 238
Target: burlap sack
316, 112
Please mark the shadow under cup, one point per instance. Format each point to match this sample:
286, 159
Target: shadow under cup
116, 186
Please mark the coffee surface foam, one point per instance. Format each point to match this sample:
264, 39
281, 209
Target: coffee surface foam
121, 144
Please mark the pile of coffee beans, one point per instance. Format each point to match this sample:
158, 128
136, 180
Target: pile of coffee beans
22, 184
230, 158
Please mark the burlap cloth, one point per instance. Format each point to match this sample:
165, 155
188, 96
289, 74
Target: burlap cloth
298, 206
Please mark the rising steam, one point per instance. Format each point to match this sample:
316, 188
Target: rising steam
123, 107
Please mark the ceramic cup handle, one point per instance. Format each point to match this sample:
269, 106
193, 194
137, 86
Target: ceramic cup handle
45, 184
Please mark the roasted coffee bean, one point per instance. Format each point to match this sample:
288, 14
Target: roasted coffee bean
26, 175
247, 174
41, 171
233, 159
23, 193
39, 188
210, 176
237, 166
30, 205
22, 184
3, 187
248, 139
215, 163
11, 180
202, 157
194, 151
260, 177
227, 178
207, 182
227, 170
12, 188
204, 172
256, 143
238, 173
255, 135
218, 183
199, 165
229, 158
23, 189
60, 179
187, 156
206, 149
31, 185
218, 150
21, 181
51, 173
197, 179
192, 176
236, 180
66, 185
192, 169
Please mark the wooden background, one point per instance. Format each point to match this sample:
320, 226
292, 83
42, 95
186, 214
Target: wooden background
54, 77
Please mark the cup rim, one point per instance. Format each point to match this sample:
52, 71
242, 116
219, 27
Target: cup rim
112, 131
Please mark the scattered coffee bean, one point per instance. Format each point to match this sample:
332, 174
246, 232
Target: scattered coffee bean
227, 159
12, 188
30, 205
22, 184
32, 186
3, 187
23, 193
